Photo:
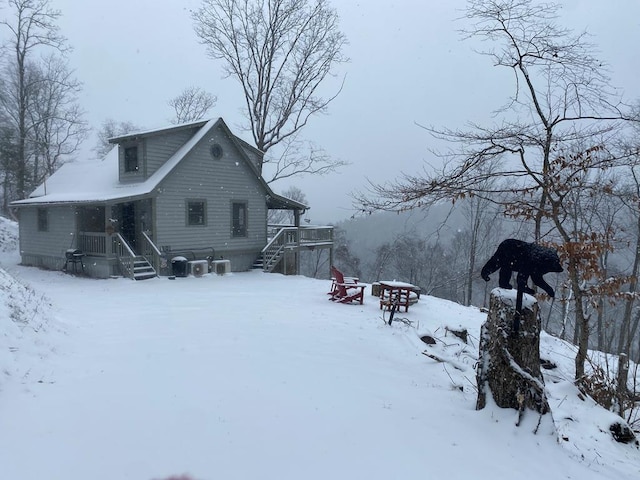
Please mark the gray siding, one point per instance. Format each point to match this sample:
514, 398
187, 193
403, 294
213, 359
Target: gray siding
153, 152
218, 182
47, 249
253, 156
130, 177
158, 149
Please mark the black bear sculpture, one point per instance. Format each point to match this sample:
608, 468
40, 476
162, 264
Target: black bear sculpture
528, 259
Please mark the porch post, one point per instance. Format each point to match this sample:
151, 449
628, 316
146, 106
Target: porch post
111, 227
331, 253
296, 221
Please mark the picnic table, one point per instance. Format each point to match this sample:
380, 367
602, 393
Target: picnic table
401, 293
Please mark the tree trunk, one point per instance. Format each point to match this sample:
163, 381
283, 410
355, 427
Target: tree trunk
622, 392
600, 325
632, 334
582, 321
471, 269
625, 338
509, 365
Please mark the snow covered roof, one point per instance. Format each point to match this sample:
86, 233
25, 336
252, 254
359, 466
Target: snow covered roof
97, 181
157, 131
83, 182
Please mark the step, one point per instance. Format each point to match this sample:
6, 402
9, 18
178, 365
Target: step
144, 276
142, 270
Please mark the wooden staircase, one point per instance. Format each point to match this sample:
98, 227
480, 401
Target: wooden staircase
258, 264
292, 239
142, 269
136, 267
268, 262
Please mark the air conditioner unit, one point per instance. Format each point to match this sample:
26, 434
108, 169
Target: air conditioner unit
197, 268
221, 266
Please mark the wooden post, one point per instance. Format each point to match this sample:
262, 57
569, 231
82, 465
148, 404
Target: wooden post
331, 259
622, 391
509, 362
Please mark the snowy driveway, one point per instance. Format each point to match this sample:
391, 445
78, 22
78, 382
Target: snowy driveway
248, 376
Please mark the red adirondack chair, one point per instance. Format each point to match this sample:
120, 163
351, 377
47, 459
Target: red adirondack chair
345, 289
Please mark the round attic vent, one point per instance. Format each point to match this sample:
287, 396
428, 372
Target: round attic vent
216, 151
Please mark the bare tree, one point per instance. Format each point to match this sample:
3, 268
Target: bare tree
381, 264
58, 127
112, 128
583, 243
343, 254
280, 51
296, 157
192, 105
8, 155
629, 326
285, 217
548, 142
481, 231
32, 28
410, 258
630, 197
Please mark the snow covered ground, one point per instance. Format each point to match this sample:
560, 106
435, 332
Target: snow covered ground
258, 376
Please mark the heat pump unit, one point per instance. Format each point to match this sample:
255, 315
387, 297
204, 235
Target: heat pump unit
221, 266
198, 268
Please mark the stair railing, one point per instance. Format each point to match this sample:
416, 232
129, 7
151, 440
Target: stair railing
272, 253
150, 250
124, 253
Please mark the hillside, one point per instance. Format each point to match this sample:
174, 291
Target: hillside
26, 321
368, 232
254, 375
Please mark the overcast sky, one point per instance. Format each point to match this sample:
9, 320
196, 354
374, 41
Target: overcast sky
408, 66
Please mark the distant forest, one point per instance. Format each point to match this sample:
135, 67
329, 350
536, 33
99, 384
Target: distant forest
442, 250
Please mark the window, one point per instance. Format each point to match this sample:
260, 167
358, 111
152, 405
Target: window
43, 220
131, 159
196, 212
239, 216
216, 151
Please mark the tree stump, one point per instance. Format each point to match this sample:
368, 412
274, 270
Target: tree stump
509, 363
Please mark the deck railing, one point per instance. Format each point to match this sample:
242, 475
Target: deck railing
294, 238
316, 235
281, 239
92, 243
103, 245
126, 256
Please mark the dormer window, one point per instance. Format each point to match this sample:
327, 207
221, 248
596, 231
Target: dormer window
131, 163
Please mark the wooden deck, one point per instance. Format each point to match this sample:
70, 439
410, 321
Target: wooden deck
294, 239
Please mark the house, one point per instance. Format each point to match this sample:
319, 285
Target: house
159, 199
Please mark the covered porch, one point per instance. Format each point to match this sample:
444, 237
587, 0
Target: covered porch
117, 238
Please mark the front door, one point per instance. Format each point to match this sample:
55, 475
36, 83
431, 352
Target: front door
128, 228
